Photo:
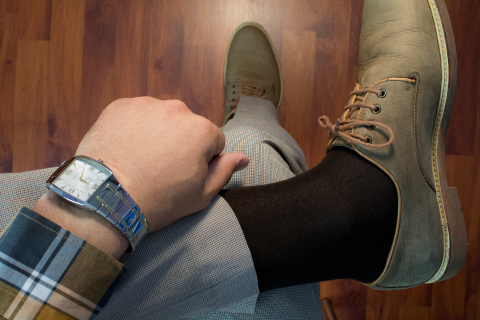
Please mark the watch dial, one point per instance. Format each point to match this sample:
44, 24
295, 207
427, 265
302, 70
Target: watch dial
81, 179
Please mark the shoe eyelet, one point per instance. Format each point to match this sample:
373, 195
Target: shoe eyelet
233, 100
234, 86
377, 110
369, 139
233, 92
372, 127
384, 94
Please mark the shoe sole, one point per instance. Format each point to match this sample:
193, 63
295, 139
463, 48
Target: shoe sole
258, 26
453, 223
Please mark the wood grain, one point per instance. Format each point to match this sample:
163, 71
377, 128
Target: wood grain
165, 55
64, 81
31, 76
297, 105
62, 62
461, 137
98, 87
10, 31
36, 19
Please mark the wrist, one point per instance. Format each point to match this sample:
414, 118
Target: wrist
89, 226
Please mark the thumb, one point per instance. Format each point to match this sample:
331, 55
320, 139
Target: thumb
221, 169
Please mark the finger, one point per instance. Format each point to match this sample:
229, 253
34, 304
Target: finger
221, 169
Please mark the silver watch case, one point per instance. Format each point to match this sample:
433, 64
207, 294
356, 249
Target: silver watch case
91, 203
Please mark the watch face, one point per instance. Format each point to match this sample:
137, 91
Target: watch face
81, 178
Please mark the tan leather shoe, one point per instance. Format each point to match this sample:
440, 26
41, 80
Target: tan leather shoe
397, 119
251, 68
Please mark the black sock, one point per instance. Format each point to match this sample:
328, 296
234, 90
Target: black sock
335, 221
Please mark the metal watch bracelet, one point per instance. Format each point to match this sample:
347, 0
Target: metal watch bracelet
109, 199
118, 207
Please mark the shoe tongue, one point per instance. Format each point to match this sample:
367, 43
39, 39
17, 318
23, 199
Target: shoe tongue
270, 93
235, 93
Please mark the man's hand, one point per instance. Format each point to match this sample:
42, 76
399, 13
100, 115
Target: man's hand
165, 156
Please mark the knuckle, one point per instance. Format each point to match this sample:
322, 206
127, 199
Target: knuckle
221, 138
119, 103
144, 100
176, 105
208, 128
179, 103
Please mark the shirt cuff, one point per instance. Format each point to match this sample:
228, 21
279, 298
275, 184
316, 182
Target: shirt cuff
47, 272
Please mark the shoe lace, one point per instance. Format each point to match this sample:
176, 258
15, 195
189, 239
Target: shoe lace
258, 91
344, 128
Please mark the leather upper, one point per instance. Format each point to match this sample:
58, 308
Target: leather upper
397, 39
400, 53
252, 59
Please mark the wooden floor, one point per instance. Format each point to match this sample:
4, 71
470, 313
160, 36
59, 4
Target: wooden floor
62, 62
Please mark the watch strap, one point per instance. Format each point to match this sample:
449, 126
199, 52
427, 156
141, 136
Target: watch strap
118, 207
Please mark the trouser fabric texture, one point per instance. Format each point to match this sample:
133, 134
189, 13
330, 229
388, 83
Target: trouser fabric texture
200, 267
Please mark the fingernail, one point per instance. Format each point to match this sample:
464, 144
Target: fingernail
242, 164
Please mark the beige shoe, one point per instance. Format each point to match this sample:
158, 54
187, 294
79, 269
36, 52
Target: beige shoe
397, 119
251, 68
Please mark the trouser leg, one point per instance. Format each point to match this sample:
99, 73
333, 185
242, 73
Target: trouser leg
274, 156
202, 262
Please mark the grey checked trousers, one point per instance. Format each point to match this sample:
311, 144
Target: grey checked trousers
200, 267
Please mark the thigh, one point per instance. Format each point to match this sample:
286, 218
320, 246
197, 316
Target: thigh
20, 189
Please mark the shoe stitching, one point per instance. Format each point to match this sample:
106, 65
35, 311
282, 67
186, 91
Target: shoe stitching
438, 121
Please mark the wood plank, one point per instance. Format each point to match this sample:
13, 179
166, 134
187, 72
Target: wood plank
8, 57
296, 114
310, 16
9, 7
165, 56
472, 285
29, 144
417, 313
212, 22
448, 298
98, 87
9, 31
131, 52
31, 76
331, 86
36, 17
6, 146
466, 284
203, 99
65, 75
356, 11
386, 304
466, 25
348, 297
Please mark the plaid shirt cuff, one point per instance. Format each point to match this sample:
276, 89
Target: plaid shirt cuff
46, 272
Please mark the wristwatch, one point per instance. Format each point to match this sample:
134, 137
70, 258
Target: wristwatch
91, 185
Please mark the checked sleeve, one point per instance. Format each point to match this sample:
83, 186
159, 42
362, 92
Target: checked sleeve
46, 272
